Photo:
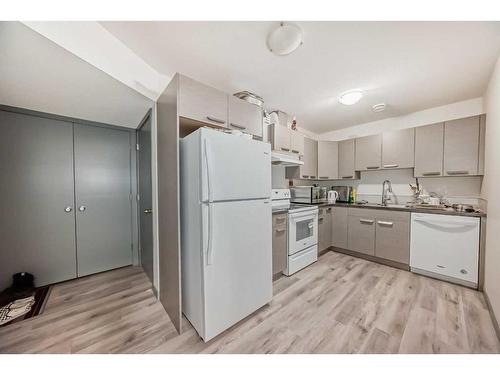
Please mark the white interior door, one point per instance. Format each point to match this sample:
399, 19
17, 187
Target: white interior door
238, 265
234, 167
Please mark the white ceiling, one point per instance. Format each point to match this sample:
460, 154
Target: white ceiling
408, 65
37, 74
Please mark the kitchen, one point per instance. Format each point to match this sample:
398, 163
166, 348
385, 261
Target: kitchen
253, 219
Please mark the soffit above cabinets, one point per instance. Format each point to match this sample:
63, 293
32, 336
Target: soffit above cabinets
410, 66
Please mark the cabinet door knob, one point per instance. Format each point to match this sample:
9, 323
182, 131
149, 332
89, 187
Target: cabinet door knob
68, 209
148, 211
82, 208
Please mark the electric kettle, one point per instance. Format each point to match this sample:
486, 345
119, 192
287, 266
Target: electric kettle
332, 196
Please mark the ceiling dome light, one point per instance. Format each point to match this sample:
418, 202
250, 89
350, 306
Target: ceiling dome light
284, 39
350, 97
379, 107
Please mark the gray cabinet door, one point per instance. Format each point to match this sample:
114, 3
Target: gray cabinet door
280, 138
361, 231
369, 152
461, 147
201, 102
346, 159
339, 227
102, 196
296, 143
429, 150
393, 236
310, 167
37, 223
245, 116
398, 149
324, 228
328, 160
279, 243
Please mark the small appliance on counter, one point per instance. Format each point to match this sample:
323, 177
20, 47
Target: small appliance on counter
308, 194
344, 192
333, 196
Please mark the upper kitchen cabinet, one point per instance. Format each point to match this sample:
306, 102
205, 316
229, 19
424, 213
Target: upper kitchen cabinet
285, 139
482, 135
328, 160
398, 149
346, 152
245, 116
203, 103
429, 150
309, 170
369, 152
296, 142
461, 147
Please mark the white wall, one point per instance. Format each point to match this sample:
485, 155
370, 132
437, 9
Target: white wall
490, 191
466, 108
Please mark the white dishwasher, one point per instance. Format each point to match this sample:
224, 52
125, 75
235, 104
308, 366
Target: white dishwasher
445, 247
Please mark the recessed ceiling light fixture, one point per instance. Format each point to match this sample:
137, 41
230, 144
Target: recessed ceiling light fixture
284, 39
379, 107
350, 97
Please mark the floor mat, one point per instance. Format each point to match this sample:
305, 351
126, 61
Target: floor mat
40, 299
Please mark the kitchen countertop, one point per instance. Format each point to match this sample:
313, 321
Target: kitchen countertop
443, 211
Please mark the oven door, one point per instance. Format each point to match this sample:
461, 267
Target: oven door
302, 230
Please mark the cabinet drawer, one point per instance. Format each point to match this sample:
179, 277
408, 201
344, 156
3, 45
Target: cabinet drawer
361, 234
393, 215
392, 240
279, 219
202, 103
366, 213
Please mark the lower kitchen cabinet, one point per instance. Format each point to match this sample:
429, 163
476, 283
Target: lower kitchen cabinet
324, 228
392, 236
279, 243
339, 227
361, 231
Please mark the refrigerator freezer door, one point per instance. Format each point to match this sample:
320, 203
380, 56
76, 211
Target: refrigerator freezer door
234, 168
238, 280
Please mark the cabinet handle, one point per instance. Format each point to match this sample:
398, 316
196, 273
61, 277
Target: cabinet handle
237, 126
295, 151
431, 173
457, 172
324, 177
373, 167
68, 209
347, 176
320, 218
215, 119
285, 149
279, 230
305, 176
386, 223
312, 176
391, 165
366, 221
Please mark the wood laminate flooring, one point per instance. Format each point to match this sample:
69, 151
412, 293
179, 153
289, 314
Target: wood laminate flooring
340, 304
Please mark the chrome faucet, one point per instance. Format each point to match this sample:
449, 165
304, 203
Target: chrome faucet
385, 190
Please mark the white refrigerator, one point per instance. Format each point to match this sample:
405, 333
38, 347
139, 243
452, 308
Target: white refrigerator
226, 238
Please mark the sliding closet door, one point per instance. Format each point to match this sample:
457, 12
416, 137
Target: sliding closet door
102, 196
37, 222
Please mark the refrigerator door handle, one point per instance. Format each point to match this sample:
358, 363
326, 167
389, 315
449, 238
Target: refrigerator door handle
210, 254
209, 169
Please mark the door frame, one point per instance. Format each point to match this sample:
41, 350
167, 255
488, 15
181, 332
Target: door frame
147, 116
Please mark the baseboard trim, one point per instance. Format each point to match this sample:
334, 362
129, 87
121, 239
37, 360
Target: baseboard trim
371, 258
492, 314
